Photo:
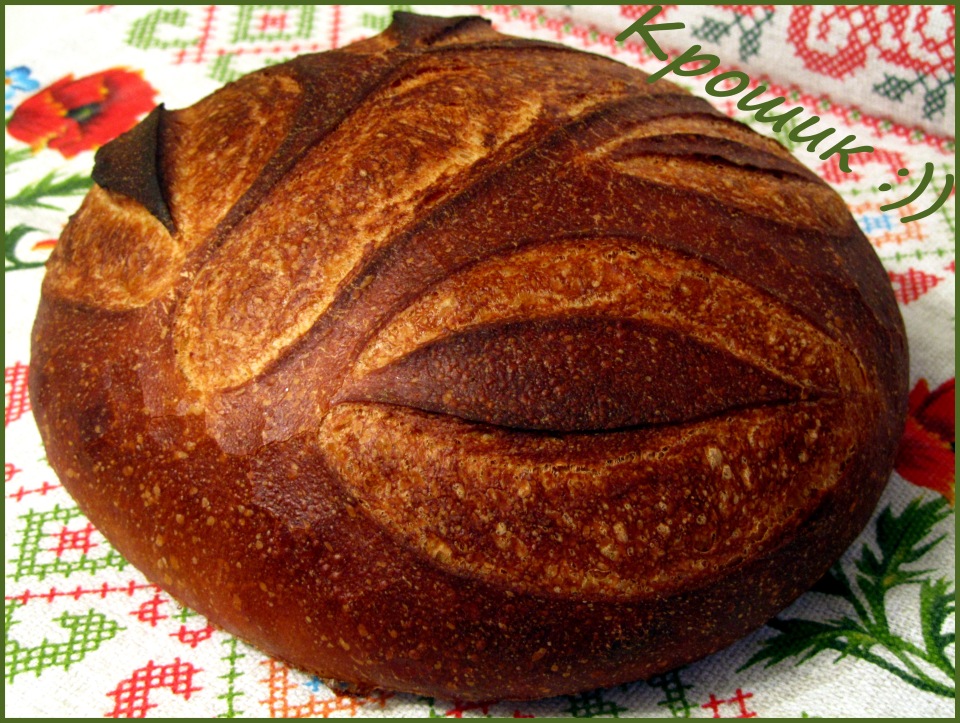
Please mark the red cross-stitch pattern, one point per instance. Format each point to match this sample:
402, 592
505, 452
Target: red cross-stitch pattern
9, 471
197, 54
16, 401
149, 611
638, 11
857, 24
23, 492
460, 707
912, 47
911, 285
132, 695
271, 21
483, 709
280, 705
836, 41
739, 698
749, 10
714, 704
335, 27
193, 637
564, 28
102, 591
74, 540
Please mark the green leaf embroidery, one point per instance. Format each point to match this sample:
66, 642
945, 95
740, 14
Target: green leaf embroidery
15, 155
936, 605
35, 195
901, 540
11, 237
806, 638
30, 195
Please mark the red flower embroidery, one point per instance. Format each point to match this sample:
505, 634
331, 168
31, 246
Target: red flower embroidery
71, 116
926, 455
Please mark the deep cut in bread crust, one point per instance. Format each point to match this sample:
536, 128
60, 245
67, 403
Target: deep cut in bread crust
468, 365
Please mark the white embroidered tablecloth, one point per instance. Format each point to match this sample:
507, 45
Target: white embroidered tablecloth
86, 635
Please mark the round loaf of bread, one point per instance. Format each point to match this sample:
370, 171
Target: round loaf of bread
467, 365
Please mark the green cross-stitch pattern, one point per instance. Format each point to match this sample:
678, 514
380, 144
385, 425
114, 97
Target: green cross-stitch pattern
86, 633
244, 31
379, 22
592, 705
893, 88
712, 30
34, 559
231, 676
429, 702
751, 29
674, 690
750, 41
934, 99
145, 32
918, 255
183, 614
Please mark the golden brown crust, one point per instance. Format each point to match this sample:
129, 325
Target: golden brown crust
468, 365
